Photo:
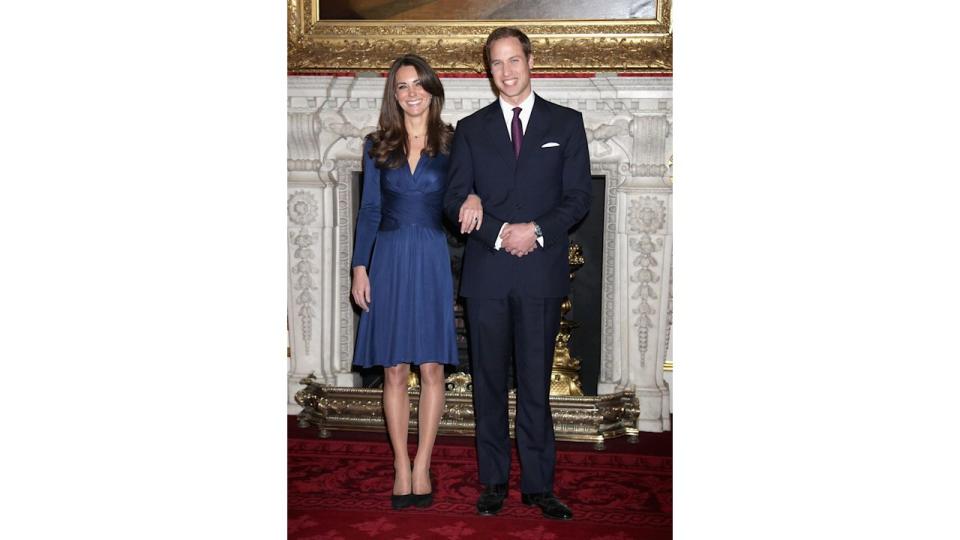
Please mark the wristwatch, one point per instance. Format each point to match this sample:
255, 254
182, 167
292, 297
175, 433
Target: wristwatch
537, 230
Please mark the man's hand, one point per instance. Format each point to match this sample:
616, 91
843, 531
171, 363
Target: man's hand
361, 287
471, 214
519, 239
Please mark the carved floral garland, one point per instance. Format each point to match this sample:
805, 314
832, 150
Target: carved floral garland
302, 209
646, 216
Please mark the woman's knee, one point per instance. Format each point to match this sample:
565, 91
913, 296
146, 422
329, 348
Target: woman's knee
431, 374
396, 376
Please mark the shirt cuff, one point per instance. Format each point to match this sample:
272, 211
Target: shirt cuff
499, 241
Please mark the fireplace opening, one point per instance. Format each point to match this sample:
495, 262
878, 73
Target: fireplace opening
585, 293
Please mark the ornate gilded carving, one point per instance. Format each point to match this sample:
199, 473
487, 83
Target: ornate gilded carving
304, 397
575, 418
565, 372
459, 383
616, 45
459, 412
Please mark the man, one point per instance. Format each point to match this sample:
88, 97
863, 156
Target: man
527, 159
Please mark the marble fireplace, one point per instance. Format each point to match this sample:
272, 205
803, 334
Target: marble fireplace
628, 123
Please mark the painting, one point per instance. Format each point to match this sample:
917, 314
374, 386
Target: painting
497, 10
567, 35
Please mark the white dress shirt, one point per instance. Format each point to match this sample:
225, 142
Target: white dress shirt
526, 107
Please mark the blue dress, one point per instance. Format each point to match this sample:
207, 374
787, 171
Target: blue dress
400, 240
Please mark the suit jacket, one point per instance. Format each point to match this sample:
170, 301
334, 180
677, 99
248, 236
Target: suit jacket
550, 185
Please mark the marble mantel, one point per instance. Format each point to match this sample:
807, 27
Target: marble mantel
628, 122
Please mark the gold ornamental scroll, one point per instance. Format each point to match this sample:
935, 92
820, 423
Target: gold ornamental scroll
620, 45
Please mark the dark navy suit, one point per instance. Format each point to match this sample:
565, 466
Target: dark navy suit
513, 303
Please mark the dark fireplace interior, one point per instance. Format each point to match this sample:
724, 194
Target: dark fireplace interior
585, 293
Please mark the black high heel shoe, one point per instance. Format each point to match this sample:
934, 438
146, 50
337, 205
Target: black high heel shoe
423, 500
399, 502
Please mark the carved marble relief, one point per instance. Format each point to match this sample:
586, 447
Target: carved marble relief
344, 170
646, 216
302, 211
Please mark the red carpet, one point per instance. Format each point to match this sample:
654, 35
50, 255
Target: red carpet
339, 489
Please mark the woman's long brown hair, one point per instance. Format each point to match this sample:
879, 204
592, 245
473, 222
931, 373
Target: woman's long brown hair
390, 140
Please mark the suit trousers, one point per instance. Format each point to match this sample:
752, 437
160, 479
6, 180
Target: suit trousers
525, 329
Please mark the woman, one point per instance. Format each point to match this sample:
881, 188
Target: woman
407, 298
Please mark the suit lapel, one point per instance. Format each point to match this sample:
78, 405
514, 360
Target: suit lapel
497, 130
537, 128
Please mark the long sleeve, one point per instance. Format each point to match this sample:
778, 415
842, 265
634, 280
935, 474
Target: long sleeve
576, 187
368, 218
459, 177
461, 184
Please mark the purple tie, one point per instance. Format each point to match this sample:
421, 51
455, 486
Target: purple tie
516, 132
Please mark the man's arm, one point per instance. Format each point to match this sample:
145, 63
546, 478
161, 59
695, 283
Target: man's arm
461, 184
576, 189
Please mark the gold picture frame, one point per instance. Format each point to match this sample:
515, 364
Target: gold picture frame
623, 45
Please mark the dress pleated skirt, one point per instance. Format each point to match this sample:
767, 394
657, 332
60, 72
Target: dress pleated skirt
411, 310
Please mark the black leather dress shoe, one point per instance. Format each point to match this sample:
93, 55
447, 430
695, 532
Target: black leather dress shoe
550, 506
399, 502
491, 500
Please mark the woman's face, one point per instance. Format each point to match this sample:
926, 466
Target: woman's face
413, 99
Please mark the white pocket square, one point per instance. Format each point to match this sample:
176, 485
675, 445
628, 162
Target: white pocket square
550, 145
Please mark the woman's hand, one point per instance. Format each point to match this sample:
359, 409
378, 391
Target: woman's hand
471, 214
361, 287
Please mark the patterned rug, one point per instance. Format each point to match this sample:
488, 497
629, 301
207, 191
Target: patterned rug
339, 489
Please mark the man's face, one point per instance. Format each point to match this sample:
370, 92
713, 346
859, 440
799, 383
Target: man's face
510, 69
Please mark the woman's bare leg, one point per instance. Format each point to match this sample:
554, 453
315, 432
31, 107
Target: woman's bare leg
396, 409
431, 409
